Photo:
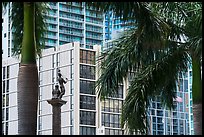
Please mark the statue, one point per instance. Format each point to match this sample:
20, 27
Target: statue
61, 83
56, 92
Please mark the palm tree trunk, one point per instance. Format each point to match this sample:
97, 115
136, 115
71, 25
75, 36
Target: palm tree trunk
197, 95
197, 115
27, 97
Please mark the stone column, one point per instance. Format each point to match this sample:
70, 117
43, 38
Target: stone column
56, 118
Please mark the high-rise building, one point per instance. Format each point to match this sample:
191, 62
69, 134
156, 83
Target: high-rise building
179, 121
114, 26
67, 22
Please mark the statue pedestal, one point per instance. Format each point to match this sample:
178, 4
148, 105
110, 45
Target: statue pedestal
56, 118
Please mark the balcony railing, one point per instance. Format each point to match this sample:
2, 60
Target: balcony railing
71, 32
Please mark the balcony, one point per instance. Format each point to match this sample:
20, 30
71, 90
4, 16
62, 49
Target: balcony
94, 30
51, 37
71, 4
94, 37
50, 44
68, 16
71, 33
94, 15
52, 29
94, 21
51, 22
71, 25
52, 14
53, 6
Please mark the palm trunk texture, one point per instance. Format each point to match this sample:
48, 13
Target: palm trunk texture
197, 115
197, 95
27, 99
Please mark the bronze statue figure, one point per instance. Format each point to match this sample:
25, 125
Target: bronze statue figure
61, 83
56, 92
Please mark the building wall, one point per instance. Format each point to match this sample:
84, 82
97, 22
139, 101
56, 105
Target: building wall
79, 114
9, 96
5, 34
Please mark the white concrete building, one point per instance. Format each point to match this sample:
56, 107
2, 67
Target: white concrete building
83, 114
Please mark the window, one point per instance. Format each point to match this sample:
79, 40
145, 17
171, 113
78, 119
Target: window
7, 101
87, 102
152, 111
154, 119
7, 86
190, 73
159, 120
4, 85
4, 35
153, 105
119, 93
87, 118
112, 105
159, 113
87, 130
159, 106
87, 87
111, 120
4, 72
87, 72
87, 57
191, 110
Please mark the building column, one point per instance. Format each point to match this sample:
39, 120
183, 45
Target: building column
56, 117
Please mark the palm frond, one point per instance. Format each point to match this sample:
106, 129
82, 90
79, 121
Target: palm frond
193, 30
147, 84
17, 17
134, 112
134, 48
41, 10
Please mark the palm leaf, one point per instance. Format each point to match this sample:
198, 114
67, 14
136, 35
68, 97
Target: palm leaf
17, 26
133, 49
41, 9
147, 84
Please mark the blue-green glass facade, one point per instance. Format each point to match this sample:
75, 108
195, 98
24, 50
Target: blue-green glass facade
73, 21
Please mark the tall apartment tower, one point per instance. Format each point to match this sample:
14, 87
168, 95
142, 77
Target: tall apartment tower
67, 22
114, 26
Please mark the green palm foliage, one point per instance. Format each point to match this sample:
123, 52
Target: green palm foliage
166, 37
17, 26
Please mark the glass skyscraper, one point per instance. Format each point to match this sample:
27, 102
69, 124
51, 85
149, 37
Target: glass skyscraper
162, 121
67, 22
